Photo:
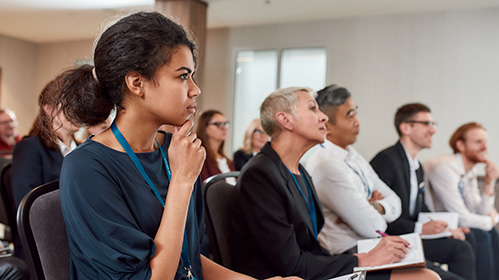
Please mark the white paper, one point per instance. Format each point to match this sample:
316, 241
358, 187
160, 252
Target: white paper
414, 255
451, 218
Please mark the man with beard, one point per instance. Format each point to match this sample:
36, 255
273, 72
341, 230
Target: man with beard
454, 186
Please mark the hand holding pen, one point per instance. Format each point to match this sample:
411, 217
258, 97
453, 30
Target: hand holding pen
390, 249
434, 227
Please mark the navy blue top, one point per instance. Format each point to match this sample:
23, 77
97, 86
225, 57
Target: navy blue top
112, 215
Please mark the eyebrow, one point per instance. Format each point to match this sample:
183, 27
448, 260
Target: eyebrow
189, 70
352, 110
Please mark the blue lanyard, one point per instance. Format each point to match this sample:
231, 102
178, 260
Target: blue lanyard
135, 159
362, 177
460, 186
311, 205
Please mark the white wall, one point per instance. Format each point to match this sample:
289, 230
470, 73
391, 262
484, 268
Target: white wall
53, 58
17, 60
449, 61
27, 67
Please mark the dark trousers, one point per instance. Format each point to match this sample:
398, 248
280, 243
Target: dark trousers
457, 254
486, 247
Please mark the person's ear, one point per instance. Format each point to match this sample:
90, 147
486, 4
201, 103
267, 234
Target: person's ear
284, 119
135, 83
405, 128
460, 146
47, 109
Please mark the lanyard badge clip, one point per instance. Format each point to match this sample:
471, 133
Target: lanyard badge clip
189, 272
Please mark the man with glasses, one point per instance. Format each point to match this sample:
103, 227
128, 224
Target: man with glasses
8, 132
399, 168
454, 187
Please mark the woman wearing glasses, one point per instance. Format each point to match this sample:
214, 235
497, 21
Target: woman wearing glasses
254, 139
212, 130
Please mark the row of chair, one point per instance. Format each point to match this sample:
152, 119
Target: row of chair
43, 234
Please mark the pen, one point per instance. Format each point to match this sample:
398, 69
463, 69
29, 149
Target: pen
384, 234
381, 233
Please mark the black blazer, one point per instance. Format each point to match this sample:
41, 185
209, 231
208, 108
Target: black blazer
33, 164
392, 167
273, 232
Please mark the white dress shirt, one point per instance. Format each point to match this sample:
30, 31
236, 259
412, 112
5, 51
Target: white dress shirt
345, 181
453, 190
413, 196
223, 165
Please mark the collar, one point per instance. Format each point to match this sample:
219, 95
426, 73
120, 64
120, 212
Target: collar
460, 168
338, 151
413, 163
65, 150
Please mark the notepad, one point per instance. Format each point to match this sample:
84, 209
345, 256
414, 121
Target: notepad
414, 258
451, 218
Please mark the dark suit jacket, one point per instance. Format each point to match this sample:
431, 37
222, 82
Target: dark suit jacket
392, 167
273, 232
240, 159
33, 164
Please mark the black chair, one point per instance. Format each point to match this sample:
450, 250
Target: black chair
43, 233
219, 198
8, 209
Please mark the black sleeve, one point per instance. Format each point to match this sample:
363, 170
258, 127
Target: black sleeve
387, 171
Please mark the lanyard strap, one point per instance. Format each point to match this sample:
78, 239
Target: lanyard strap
311, 205
185, 247
362, 177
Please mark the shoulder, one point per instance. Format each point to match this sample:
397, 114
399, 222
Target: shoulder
85, 154
259, 167
441, 163
30, 141
240, 153
29, 145
386, 153
388, 156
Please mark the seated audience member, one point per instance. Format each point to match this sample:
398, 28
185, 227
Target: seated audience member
277, 215
8, 132
399, 168
356, 203
212, 128
38, 157
254, 139
131, 196
453, 183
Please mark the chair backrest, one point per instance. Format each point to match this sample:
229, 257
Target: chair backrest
43, 233
219, 199
8, 209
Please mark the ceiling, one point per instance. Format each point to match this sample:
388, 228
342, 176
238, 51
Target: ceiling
44, 21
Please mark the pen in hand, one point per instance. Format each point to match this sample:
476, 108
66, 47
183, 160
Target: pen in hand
384, 235
381, 233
